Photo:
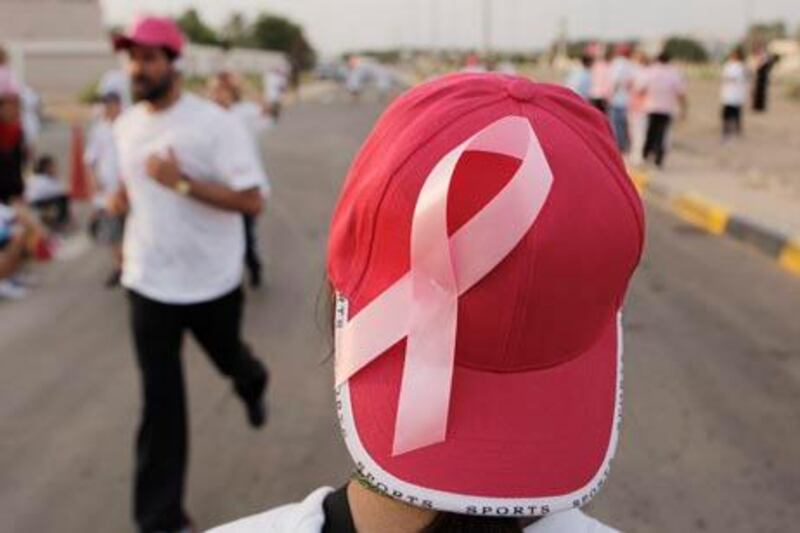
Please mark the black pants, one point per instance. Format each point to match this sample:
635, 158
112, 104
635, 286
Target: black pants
162, 441
657, 133
731, 120
252, 258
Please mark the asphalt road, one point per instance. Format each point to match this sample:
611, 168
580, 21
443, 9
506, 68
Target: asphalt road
711, 433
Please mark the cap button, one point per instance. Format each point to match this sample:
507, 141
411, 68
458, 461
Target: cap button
521, 90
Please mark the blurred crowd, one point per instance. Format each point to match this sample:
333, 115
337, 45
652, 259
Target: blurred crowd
643, 96
36, 211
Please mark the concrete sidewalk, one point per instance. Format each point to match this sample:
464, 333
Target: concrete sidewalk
722, 202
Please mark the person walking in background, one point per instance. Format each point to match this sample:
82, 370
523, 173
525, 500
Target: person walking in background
226, 91
275, 83
665, 98
637, 114
622, 83
733, 94
580, 77
46, 194
30, 115
13, 149
102, 165
188, 172
764, 63
602, 84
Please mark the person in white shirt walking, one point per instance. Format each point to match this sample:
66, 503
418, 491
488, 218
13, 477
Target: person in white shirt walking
733, 94
226, 90
188, 173
275, 82
622, 73
100, 158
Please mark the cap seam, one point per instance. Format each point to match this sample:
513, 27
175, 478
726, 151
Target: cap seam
384, 192
629, 201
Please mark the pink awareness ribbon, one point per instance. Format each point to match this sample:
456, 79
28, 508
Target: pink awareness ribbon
422, 306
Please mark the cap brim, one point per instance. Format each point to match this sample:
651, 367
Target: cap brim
122, 42
518, 444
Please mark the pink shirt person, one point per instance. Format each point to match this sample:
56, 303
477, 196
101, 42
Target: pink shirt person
665, 88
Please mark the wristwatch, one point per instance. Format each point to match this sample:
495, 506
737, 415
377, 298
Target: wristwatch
183, 187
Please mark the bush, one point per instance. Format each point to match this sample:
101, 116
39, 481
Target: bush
686, 49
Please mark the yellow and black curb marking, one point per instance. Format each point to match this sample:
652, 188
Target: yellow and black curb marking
718, 220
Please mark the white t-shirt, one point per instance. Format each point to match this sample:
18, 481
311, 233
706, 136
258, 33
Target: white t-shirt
622, 73
256, 122
101, 155
31, 122
734, 84
274, 85
308, 516
41, 187
179, 250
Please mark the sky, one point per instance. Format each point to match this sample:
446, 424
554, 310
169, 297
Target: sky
334, 26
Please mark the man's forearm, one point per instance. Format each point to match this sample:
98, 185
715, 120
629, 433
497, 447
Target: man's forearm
223, 197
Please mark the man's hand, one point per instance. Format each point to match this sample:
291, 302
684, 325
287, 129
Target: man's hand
164, 170
117, 203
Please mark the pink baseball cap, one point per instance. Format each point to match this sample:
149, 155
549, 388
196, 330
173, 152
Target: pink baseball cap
151, 31
542, 232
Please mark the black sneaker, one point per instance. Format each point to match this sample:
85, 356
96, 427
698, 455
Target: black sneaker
257, 412
257, 405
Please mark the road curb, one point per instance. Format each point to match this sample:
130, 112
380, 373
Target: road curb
716, 219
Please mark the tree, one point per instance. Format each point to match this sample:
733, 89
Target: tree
236, 31
686, 49
765, 32
196, 30
271, 32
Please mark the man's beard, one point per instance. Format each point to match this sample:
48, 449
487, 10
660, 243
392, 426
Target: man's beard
145, 90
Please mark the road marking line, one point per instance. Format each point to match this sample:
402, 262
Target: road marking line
790, 257
698, 211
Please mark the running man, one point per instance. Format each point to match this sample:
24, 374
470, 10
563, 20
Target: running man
189, 171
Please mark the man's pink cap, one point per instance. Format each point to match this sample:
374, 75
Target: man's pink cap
151, 31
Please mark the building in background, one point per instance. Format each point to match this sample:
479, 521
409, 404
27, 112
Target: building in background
60, 47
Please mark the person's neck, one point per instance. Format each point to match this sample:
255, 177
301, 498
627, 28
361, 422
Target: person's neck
167, 101
373, 512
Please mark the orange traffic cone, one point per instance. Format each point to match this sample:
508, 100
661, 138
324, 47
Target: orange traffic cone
78, 184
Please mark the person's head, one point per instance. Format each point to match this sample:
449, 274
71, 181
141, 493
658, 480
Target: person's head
623, 50
737, 54
224, 89
112, 105
664, 57
480, 252
153, 45
641, 58
587, 61
46, 166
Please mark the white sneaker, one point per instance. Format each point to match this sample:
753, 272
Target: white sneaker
11, 291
